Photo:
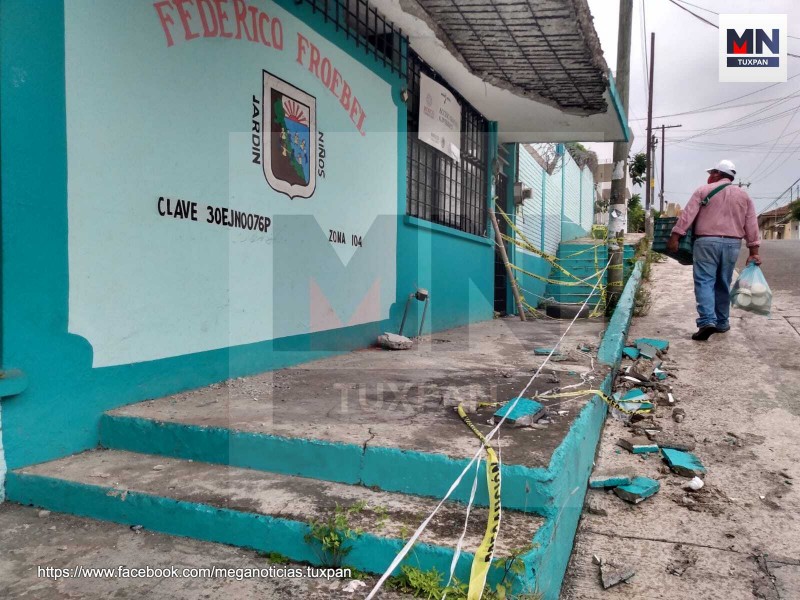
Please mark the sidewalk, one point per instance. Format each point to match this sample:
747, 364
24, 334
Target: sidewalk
739, 537
30, 539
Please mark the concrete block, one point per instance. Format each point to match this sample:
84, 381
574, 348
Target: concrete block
685, 464
637, 445
526, 411
638, 490
642, 369
612, 573
392, 341
611, 479
647, 351
631, 352
678, 415
657, 343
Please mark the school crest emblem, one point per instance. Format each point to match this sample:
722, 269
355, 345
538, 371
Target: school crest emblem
290, 122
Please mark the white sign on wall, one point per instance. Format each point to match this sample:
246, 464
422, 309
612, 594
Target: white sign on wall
439, 118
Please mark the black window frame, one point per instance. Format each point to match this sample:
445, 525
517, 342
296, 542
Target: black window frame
438, 189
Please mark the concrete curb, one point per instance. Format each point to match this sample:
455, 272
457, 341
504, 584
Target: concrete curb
572, 461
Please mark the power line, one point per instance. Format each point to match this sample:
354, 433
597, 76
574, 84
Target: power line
794, 37
714, 25
789, 189
710, 109
785, 127
741, 123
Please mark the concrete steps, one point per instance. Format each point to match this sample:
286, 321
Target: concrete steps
263, 511
581, 260
251, 461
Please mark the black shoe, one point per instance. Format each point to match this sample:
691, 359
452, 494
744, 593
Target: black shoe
723, 329
704, 333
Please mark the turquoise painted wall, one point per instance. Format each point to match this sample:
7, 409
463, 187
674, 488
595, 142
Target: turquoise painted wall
542, 220
59, 411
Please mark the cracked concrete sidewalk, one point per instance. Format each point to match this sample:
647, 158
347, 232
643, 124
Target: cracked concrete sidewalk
739, 538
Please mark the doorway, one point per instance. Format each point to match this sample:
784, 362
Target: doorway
500, 275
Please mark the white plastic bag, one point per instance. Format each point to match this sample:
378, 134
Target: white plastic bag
751, 291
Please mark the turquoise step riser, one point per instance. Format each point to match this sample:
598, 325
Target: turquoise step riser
247, 530
526, 489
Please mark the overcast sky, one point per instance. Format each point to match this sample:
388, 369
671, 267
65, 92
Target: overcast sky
686, 78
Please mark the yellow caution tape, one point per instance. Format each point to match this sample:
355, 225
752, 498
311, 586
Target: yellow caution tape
608, 400
521, 241
485, 552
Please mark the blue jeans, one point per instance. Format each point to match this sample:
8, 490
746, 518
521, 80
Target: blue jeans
714, 260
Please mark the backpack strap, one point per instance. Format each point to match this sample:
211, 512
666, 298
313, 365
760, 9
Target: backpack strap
712, 193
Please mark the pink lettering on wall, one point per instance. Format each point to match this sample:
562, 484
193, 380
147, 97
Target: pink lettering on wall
322, 67
186, 20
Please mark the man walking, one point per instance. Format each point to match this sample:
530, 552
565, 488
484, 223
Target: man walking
721, 215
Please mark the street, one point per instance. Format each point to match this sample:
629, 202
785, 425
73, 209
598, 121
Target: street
738, 537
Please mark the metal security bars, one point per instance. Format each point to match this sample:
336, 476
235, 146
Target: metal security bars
368, 28
440, 189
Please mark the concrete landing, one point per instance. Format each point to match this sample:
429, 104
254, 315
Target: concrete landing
376, 417
395, 399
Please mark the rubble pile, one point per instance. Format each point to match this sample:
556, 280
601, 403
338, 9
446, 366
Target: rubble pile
643, 398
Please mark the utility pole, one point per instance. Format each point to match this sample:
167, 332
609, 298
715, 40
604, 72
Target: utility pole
649, 192
661, 193
618, 207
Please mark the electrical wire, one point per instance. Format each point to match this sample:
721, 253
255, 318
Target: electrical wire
715, 107
714, 25
794, 37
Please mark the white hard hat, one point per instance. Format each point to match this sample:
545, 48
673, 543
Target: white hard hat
724, 166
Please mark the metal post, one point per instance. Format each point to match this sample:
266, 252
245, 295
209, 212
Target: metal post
618, 207
661, 193
502, 247
648, 194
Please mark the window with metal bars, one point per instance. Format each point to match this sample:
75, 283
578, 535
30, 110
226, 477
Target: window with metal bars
368, 28
440, 189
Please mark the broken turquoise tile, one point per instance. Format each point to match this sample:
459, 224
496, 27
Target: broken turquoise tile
634, 395
655, 342
636, 406
631, 352
545, 352
685, 464
637, 490
638, 445
611, 480
524, 408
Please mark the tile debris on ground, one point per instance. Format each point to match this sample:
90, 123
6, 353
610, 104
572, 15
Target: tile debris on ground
729, 533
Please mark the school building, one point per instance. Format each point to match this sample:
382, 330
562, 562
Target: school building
198, 190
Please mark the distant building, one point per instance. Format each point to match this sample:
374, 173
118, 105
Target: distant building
778, 224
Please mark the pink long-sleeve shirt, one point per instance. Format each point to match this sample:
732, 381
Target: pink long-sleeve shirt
730, 213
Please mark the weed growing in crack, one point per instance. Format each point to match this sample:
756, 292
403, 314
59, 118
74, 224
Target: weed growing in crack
330, 538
